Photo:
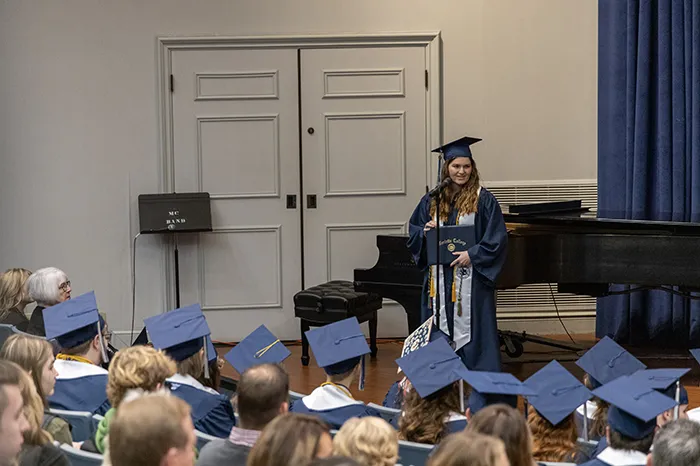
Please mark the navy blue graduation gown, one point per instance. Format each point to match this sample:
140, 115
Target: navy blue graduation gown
613, 457
80, 387
394, 397
332, 405
212, 413
487, 258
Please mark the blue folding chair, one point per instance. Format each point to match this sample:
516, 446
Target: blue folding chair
81, 458
386, 413
294, 396
413, 454
83, 425
5, 333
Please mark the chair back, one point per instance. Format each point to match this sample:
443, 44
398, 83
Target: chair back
413, 454
83, 425
81, 458
5, 333
294, 396
388, 414
203, 439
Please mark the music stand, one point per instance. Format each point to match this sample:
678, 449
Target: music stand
172, 213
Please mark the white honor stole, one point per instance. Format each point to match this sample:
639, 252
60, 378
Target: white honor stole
463, 291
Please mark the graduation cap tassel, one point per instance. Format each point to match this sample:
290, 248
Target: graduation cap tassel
676, 409
585, 421
461, 396
362, 373
206, 359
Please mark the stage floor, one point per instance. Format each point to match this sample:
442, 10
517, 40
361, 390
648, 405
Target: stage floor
381, 372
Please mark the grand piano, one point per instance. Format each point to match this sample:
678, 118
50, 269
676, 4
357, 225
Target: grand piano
563, 244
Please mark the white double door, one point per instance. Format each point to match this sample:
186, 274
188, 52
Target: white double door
308, 155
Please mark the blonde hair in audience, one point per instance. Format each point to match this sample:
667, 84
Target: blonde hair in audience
290, 439
370, 441
194, 365
146, 428
13, 290
468, 449
31, 354
33, 411
137, 367
506, 423
552, 443
423, 419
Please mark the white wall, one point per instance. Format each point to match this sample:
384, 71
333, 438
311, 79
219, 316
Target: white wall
78, 119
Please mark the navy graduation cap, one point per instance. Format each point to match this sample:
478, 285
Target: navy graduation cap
557, 392
634, 406
74, 321
664, 381
432, 367
457, 148
339, 347
696, 354
607, 361
261, 346
211, 350
180, 333
494, 387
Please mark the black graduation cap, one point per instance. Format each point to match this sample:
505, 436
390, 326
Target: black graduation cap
457, 148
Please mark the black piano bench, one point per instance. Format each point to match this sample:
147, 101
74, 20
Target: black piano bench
332, 302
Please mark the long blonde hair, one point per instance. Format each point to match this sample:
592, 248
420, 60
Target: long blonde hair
194, 365
34, 412
31, 354
13, 290
371, 441
137, 367
466, 198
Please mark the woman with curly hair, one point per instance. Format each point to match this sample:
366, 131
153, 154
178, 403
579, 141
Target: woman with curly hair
555, 443
135, 368
370, 441
35, 355
14, 297
461, 289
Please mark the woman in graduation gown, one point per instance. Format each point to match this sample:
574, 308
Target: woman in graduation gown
466, 287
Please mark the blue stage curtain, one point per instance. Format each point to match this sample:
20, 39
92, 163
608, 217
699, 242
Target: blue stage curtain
649, 148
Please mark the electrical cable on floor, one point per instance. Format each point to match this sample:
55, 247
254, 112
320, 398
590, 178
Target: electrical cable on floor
554, 300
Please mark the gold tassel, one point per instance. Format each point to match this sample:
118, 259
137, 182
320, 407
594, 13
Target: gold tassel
432, 284
454, 284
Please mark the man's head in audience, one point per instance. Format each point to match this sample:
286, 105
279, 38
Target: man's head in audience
344, 372
676, 444
624, 432
155, 429
263, 394
13, 422
667, 416
137, 367
86, 343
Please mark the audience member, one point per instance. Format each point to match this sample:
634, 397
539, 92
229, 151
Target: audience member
492, 388
263, 393
596, 412
135, 368
371, 441
182, 334
677, 443
13, 421
14, 297
469, 449
82, 335
506, 423
432, 408
557, 395
35, 355
152, 430
291, 440
38, 448
48, 286
339, 348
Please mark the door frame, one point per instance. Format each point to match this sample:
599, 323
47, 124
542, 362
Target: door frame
166, 45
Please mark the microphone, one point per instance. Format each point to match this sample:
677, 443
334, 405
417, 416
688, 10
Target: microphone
443, 184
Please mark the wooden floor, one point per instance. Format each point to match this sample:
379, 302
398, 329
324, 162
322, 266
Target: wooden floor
381, 372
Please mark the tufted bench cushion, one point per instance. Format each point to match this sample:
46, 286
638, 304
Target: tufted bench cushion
331, 302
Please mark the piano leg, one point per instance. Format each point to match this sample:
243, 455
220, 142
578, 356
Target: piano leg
373, 335
411, 304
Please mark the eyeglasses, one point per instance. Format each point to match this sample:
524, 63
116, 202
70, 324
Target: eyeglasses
64, 286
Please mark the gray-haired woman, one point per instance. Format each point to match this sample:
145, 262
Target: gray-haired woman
48, 287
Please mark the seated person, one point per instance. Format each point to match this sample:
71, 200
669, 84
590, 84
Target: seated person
48, 286
14, 297
491, 388
339, 348
182, 334
81, 334
507, 424
152, 429
469, 448
370, 441
434, 405
631, 421
135, 368
550, 417
603, 363
13, 420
